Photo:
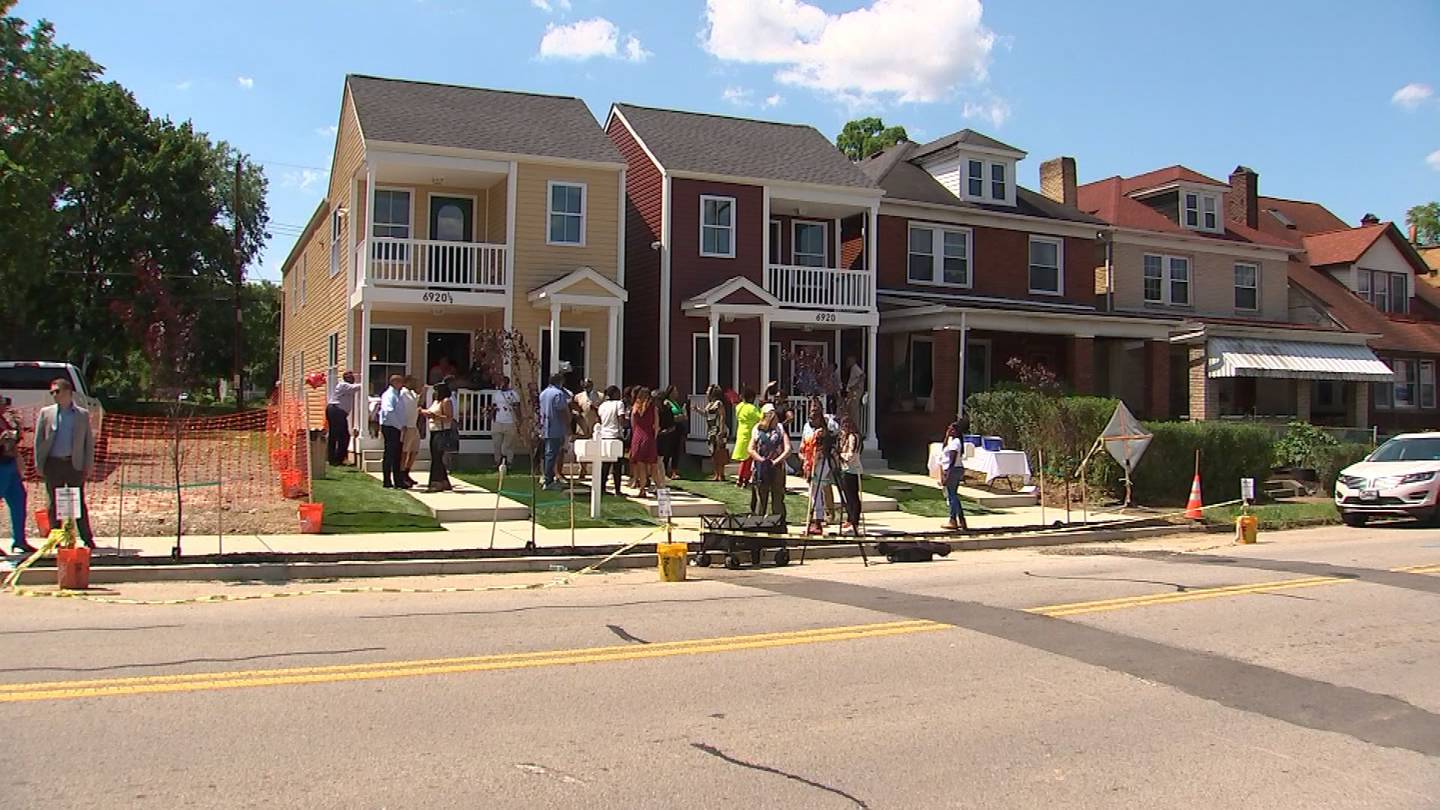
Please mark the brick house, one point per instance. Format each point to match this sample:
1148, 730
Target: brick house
976, 271
451, 209
747, 243
1190, 246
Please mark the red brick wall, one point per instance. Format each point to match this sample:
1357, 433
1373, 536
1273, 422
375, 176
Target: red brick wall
1000, 266
852, 242
644, 190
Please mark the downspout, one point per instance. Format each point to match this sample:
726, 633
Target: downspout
1109, 238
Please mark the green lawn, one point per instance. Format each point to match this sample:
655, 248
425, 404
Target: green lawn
1277, 516
552, 509
737, 500
921, 500
356, 503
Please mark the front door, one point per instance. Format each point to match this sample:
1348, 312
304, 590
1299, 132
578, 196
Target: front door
809, 367
447, 353
452, 219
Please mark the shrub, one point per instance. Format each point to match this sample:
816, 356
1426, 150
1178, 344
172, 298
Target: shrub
1302, 445
1229, 451
1065, 428
1329, 461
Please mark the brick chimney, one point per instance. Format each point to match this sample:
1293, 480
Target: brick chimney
1242, 203
1057, 180
1414, 234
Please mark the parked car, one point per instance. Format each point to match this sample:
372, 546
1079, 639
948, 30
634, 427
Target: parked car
1400, 479
27, 384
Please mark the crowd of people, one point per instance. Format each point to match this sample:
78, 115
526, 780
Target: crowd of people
64, 455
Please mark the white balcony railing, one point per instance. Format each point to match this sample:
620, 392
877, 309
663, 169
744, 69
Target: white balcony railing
472, 411
431, 264
820, 287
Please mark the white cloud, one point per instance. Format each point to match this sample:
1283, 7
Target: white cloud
185, 85
1412, 95
774, 100
245, 82
992, 109
587, 39
739, 96
327, 132
302, 179
859, 56
547, 6
1433, 160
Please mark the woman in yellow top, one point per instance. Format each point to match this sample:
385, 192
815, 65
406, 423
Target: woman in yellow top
747, 416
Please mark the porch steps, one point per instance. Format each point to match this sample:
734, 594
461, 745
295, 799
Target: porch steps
467, 503
373, 461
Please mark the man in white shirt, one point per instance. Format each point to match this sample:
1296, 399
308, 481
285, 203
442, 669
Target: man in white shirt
392, 425
504, 427
337, 417
410, 434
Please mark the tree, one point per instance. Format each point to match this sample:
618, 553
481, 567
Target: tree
1425, 219
863, 137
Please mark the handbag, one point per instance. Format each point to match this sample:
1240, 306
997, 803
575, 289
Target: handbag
450, 440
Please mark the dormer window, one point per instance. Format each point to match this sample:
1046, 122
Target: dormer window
997, 181
976, 177
987, 180
1201, 211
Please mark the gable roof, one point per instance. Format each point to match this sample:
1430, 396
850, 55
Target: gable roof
1348, 245
500, 121
1306, 217
964, 137
1107, 200
893, 171
580, 276
1166, 176
1396, 332
741, 147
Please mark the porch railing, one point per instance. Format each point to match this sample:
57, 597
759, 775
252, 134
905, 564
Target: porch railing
820, 287
472, 412
431, 264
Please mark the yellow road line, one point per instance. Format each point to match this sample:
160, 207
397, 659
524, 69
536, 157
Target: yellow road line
204, 681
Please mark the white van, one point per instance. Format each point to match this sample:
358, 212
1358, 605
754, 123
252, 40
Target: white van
27, 384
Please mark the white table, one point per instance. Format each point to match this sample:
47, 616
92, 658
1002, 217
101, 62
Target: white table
998, 464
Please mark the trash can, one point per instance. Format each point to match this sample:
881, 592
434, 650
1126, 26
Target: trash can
1247, 528
312, 518
72, 568
318, 452
670, 557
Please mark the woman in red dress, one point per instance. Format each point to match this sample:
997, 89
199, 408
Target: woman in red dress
644, 458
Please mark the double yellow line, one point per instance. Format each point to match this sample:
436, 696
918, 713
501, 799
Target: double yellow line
207, 681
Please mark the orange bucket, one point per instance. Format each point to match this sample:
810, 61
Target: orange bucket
42, 521
312, 517
73, 567
292, 483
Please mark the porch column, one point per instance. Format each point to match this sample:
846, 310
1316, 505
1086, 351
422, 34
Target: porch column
1302, 400
871, 395
612, 351
554, 341
362, 405
1157, 378
764, 350
1360, 407
369, 228
1082, 364
713, 343
1204, 396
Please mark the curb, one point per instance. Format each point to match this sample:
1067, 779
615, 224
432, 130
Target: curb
286, 572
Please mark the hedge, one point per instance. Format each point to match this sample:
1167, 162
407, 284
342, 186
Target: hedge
1329, 461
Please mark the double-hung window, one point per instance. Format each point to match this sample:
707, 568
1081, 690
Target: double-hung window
391, 220
975, 178
335, 242
1385, 291
1208, 205
950, 247
566, 214
1167, 280
808, 246
717, 226
1200, 211
304, 273
997, 181
1247, 287
1413, 387
1046, 266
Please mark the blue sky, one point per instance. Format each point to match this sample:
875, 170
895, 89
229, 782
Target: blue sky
1333, 101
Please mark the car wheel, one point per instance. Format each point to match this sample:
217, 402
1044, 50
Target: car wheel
1353, 519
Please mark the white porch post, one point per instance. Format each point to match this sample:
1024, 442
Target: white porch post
764, 351
713, 341
369, 228
362, 404
612, 352
960, 403
872, 228
554, 341
511, 180
871, 396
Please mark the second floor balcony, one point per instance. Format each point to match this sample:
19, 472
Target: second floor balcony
824, 288
431, 264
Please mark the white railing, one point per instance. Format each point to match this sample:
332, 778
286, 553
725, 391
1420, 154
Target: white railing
820, 287
472, 411
697, 417
431, 263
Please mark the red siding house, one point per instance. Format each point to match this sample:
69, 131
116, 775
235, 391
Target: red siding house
980, 277
747, 243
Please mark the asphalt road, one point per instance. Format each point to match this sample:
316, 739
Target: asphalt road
1301, 672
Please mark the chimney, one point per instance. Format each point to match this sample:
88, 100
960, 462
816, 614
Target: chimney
1369, 219
1414, 234
1057, 180
1242, 204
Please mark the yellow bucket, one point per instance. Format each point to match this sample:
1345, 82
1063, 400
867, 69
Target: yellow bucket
1247, 527
671, 559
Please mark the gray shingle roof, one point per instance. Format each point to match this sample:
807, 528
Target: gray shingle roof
475, 118
893, 171
967, 137
742, 147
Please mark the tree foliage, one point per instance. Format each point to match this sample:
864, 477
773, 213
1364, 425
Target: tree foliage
863, 137
100, 202
1426, 221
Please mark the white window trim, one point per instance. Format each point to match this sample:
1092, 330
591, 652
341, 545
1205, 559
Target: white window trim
937, 246
696, 354
734, 216
545, 341
1199, 209
336, 237
965, 189
1253, 266
409, 209
332, 349
409, 352
776, 230
1166, 280
550, 211
824, 242
474, 213
1059, 265
1004, 182
303, 280
987, 173
979, 347
1369, 294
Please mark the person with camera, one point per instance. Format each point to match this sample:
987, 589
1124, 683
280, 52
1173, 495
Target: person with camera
12, 486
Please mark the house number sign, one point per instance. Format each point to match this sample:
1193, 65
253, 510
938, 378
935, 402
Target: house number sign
824, 317
437, 298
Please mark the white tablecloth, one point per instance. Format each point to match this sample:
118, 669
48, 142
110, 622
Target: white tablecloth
999, 464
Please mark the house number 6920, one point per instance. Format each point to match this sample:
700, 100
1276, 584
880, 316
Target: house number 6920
824, 317
438, 298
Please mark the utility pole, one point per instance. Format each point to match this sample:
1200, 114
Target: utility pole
238, 375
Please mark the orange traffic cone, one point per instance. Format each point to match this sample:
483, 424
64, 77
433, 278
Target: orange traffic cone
1193, 509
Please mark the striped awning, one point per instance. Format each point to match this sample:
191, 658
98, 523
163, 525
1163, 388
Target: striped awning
1294, 360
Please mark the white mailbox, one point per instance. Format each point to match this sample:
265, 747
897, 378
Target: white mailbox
595, 452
